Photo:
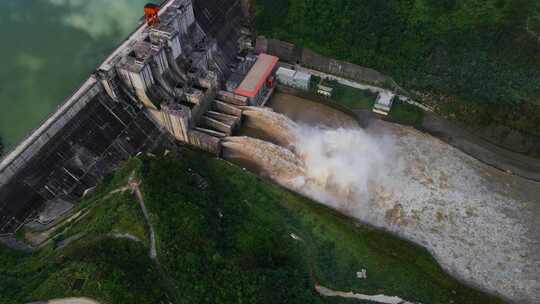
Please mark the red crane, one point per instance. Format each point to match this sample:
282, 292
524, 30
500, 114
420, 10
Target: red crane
151, 14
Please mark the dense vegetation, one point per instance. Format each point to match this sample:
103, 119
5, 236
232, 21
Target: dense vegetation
407, 114
352, 97
98, 265
223, 236
479, 59
226, 236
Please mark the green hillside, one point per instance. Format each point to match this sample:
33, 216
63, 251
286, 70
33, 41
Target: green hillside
223, 236
476, 60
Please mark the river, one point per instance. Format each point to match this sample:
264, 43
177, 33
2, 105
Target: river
48, 48
479, 223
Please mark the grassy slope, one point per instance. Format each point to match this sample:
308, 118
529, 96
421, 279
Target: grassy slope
111, 270
107, 269
405, 113
231, 242
224, 236
475, 56
352, 97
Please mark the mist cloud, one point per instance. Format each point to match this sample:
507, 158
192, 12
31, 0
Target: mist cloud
341, 163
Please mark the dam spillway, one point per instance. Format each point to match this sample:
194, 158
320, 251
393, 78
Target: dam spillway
273, 126
274, 161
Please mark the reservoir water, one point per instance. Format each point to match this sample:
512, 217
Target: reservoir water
48, 48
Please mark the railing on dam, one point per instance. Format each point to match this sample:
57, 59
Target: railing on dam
37, 138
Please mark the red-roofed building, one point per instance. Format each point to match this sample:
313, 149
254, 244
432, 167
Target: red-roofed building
259, 79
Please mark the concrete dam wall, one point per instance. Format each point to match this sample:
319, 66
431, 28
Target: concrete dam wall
156, 88
85, 140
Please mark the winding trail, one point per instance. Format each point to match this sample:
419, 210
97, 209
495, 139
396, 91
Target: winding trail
39, 239
135, 186
73, 301
327, 292
68, 301
127, 236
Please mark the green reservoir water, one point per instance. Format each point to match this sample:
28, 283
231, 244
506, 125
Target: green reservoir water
48, 48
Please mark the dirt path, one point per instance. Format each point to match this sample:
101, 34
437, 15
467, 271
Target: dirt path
327, 292
134, 185
41, 238
127, 236
73, 301
68, 301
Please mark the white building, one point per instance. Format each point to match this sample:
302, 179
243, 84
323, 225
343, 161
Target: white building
383, 104
285, 76
292, 78
302, 80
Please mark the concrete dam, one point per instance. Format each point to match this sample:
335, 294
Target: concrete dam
160, 87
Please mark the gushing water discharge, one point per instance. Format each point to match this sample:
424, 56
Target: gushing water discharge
278, 163
340, 164
334, 166
277, 127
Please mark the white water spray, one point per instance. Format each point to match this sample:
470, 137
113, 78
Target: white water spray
340, 164
333, 166
416, 186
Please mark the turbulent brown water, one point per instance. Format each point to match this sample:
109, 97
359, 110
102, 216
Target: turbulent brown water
270, 126
307, 112
478, 222
305, 157
276, 162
